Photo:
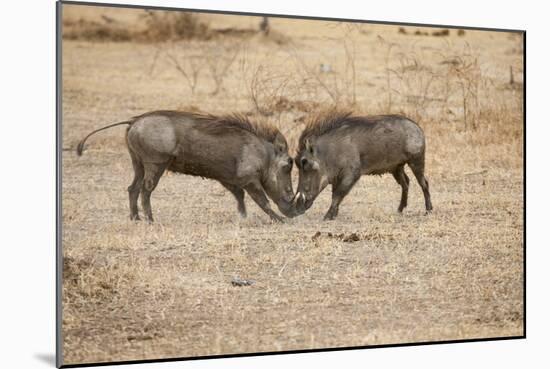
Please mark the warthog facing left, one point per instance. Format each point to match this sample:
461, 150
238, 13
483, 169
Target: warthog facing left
339, 148
240, 154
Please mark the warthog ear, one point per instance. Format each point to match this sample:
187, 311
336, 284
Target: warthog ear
280, 143
309, 146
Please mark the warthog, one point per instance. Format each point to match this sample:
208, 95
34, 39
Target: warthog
339, 148
240, 154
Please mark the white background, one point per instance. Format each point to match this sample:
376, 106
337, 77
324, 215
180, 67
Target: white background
27, 182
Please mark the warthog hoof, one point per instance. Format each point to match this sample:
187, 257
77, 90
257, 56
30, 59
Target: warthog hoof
276, 218
329, 216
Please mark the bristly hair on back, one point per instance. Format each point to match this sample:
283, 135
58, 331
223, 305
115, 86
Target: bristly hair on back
239, 121
220, 124
322, 123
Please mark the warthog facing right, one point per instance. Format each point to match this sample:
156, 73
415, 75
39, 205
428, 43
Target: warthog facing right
339, 148
240, 154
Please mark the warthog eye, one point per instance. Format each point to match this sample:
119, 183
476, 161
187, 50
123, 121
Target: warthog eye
307, 165
288, 165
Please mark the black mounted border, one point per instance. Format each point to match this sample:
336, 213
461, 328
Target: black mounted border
59, 249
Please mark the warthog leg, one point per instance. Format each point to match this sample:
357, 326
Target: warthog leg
135, 187
402, 179
239, 196
256, 192
340, 189
153, 172
418, 169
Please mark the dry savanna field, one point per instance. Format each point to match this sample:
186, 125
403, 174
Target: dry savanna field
134, 291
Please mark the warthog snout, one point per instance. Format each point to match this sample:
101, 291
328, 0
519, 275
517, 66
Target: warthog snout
302, 203
288, 207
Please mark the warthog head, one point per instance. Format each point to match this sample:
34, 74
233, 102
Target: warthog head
312, 177
278, 181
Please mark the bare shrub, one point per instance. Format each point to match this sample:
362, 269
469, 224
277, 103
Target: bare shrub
267, 91
466, 74
95, 31
328, 78
303, 85
414, 84
273, 92
159, 26
170, 25
212, 59
350, 71
388, 50
219, 57
453, 88
190, 67
337, 88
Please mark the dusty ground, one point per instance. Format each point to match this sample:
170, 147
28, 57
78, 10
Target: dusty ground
135, 291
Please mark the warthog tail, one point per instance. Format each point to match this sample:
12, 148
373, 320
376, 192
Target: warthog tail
80, 146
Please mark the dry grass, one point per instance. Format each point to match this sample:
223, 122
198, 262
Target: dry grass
138, 291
